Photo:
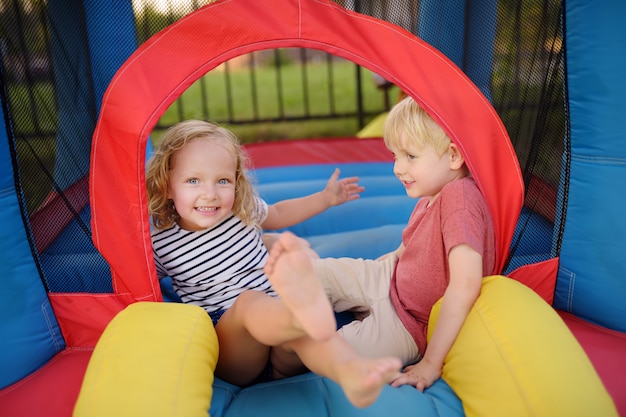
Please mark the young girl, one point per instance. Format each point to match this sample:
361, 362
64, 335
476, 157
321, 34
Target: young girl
207, 222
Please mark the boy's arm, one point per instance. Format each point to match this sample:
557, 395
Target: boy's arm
466, 273
289, 212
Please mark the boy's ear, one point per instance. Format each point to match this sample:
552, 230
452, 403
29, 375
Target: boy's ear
456, 159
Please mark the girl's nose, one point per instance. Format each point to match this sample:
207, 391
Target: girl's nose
208, 191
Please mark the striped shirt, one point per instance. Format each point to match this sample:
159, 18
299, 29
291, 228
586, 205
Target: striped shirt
210, 268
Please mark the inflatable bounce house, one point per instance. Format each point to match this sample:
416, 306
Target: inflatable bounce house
531, 91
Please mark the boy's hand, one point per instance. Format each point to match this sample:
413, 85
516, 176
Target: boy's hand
341, 191
421, 375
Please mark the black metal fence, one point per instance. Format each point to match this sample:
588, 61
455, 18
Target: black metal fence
284, 85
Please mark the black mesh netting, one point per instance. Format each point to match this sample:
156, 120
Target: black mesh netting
51, 110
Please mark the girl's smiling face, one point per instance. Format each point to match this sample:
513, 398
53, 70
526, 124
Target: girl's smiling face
202, 184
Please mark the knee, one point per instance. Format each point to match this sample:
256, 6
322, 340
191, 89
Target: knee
239, 305
242, 304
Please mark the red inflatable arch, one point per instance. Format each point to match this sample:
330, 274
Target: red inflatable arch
167, 64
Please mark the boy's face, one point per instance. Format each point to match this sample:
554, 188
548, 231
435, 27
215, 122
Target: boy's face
202, 184
422, 171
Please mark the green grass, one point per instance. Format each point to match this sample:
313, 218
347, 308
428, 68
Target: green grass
36, 107
303, 96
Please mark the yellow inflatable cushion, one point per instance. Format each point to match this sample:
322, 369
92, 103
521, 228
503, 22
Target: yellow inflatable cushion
374, 129
515, 356
153, 359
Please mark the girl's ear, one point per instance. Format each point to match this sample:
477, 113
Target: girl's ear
456, 159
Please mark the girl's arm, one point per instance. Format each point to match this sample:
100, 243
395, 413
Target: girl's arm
466, 273
289, 212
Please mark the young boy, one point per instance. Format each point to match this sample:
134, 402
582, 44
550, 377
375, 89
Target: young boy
447, 248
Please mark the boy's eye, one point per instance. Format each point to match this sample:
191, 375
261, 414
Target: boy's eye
410, 156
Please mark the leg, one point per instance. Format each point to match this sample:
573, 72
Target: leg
292, 274
242, 358
285, 362
381, 333
246, 331
354, 284
362, 379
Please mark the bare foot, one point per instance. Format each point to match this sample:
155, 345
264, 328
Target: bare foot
291, 271
362, 379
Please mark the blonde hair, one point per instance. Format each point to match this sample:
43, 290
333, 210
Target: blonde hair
160, 207
408, 121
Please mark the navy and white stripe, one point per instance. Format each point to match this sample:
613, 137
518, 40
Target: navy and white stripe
210, 268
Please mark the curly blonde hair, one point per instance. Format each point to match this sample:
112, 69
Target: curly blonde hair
407, 120
160, 207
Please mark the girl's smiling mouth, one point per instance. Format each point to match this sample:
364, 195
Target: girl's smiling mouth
207, 209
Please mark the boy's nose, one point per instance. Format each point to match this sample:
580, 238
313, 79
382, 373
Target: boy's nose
398, 168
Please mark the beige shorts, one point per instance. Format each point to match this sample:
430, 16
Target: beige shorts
362, 286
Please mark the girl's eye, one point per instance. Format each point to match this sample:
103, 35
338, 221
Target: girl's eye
223, 181
192, 181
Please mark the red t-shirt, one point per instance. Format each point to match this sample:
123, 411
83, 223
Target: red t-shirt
459, 215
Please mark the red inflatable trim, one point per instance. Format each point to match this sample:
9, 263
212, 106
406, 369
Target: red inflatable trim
51, 390
605, 349
318, 151
162, 68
